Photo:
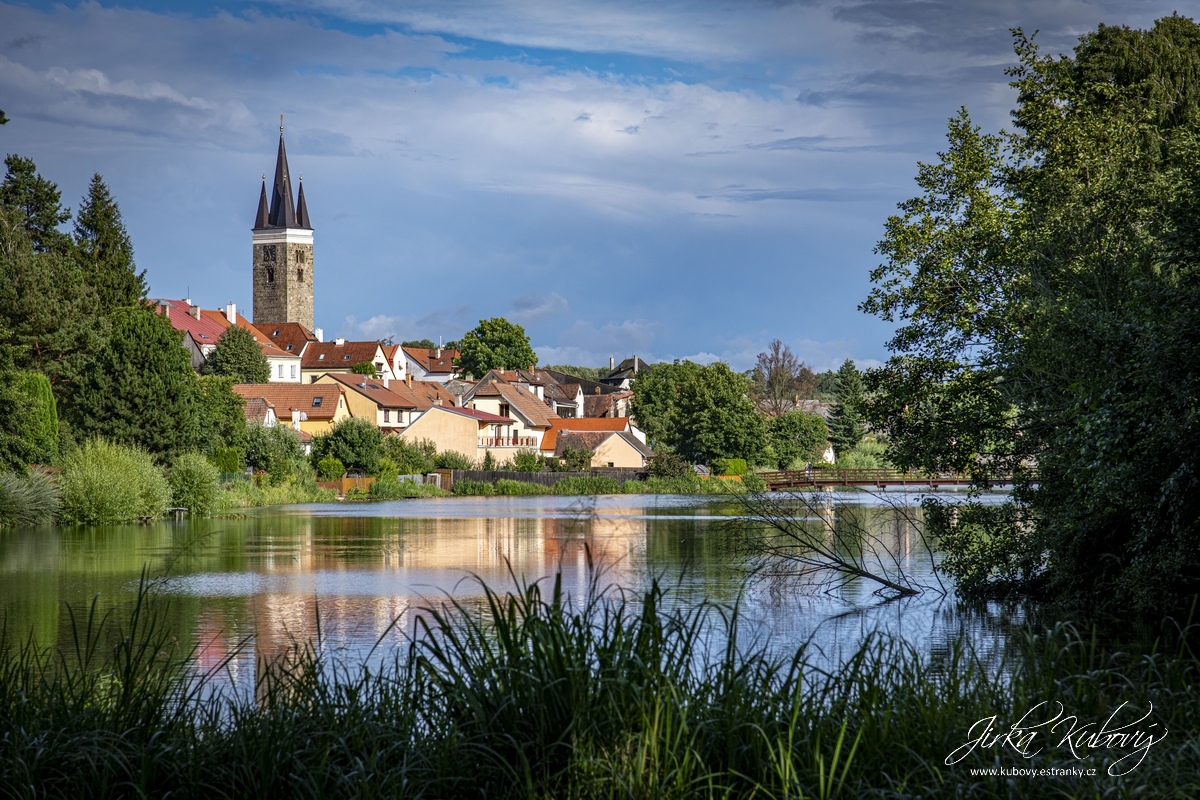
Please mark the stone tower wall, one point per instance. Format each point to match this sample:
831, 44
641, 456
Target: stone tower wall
283, 281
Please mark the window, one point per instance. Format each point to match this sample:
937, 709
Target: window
276, 333
346, 357
317, 402
281, 370
270, 274
387, 415
289, 347
610, 463
300, 274
321, 357
504, 409
293, 371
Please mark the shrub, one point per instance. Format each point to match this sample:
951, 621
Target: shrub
277, 451
508, 487
474, 488
27, 499
489, 462
453, 460
245, 494
735, 466
386, 487
576, 459
355, 442
867, 454
410, 458
330, 468
106, 482
195, 483
227, 460
687, 484
718, 466
753, 482
528, 461
587, 485
668, 464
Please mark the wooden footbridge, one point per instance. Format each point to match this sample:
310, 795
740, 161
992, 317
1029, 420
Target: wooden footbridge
876, 478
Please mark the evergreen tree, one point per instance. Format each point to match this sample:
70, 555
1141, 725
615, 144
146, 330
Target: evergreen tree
39, 200
140, 389
222, 419
238, 356
104, 251
845, 418
46, 307
495, 343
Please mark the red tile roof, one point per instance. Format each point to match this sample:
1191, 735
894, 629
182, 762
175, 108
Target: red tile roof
269, 348
585, 425
204, 330
291, 337
286, 396
374, 390
482, 416
430, 361
333, 356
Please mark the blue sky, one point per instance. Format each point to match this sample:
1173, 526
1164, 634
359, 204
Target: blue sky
676, 180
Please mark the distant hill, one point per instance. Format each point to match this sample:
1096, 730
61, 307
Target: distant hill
591, 373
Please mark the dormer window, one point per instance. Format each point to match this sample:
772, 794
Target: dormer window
273, 335
289, 347
346, 357
317, 402
321, 357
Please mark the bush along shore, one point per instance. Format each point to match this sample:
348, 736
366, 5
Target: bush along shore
598, 484
530, 696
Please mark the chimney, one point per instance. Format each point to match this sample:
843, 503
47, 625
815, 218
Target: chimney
635, 364
339, 342
231, 313
385, 380
187, 300
439, 348
320, 334
408, 380
166, 310
296, 418
195, 311
597, 390
612, 363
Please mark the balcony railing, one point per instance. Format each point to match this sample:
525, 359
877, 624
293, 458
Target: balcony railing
507, 441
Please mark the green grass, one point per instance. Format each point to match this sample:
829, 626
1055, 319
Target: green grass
505, 486
587, 485
27, 499
249, 494
528, 696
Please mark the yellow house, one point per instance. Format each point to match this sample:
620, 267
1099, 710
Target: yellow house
609, 448
463, 430
319, 406
372, 400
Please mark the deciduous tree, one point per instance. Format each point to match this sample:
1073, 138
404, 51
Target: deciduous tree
238, 356
781, 379
495, 343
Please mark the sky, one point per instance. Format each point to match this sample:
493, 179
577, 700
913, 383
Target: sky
672, 180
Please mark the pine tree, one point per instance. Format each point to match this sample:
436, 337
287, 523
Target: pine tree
140, 389
39, 200
104, 251
845, 418
238, 356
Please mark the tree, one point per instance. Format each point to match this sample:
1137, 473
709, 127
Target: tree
277, 451
104, 251
495, 343
39, 201
238, 356
140, 389
845, 418
1046, 285
796, 436
46, 307
222, 419
715, 418
427, 344
781, 379
355, 442
655, 395
365, 368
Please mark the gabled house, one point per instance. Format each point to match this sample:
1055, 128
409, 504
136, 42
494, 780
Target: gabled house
394, 354
614, 441
340, 355
530, 415
200, 333
373, 400
623, 374
291, 337
430, 364
598, 399
285, 366
311, 409
464, 430
608, 448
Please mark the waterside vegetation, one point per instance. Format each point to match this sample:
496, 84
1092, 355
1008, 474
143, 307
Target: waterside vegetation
532, 696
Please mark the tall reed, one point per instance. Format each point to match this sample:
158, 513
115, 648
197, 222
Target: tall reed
529, 695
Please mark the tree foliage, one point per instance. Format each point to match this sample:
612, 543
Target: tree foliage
238, 356
781, 380
1045, 282
104, 250
845, 418
796, 437
355, 442
495, 343
39, 202
140, 390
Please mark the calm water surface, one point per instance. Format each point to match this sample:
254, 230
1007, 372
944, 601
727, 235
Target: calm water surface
276, 574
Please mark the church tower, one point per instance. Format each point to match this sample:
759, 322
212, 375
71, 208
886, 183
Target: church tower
283, 251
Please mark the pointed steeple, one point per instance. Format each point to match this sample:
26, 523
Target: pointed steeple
260, 221
302, 209
283, 211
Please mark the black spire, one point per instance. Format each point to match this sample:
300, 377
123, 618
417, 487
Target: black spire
302, 209
260, 221
283, 211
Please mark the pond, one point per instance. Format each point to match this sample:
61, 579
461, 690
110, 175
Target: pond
360, 573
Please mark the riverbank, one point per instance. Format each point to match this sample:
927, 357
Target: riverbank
537, 698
